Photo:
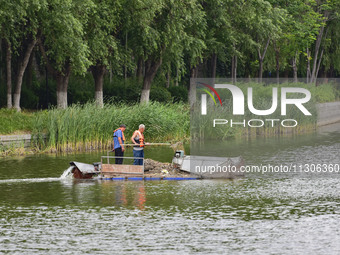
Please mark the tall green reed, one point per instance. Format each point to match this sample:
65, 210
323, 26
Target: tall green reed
84, 127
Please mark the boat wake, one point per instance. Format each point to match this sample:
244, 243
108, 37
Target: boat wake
66, 175
30, 180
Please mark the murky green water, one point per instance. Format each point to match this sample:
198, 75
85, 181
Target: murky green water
41, 213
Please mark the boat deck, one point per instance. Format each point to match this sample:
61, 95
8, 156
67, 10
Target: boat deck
180, 169
145, 178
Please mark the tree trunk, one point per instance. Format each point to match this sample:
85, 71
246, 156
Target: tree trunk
286, 75
318, 66
125, 64
192, 87
46, 99
20, 74
36, 69
62, 84
151, 68
9, 74
316, 53
213, 65
233, 69
277, 60
168, 77
145, 96
1, 57
261, 58
29, 73
111, 73
323, 74
177, 76
61, 77
140, 69
277, 72
295, 67
98, 72
260, 70
308, 66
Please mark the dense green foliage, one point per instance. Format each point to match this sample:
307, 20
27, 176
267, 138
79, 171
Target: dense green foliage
59, 45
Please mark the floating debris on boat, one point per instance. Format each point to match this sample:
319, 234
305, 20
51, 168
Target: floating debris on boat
156, 168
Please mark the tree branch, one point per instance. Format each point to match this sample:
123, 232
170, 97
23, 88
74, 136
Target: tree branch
48, 64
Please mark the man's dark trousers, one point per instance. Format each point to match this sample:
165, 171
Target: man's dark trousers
119, 153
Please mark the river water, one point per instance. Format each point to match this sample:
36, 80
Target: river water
43, 214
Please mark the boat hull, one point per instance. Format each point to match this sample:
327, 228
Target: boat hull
84, 171
210, 167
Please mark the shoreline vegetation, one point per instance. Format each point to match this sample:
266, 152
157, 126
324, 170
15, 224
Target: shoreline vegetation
89, 127
202, 126
84, 127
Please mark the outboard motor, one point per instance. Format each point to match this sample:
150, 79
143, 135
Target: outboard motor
97, 166
179, 154
177, 161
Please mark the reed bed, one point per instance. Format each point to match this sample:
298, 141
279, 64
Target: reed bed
88, 127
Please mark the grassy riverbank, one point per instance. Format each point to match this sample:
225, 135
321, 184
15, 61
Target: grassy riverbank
13, 122
87, 127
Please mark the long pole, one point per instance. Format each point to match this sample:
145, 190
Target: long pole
131, 144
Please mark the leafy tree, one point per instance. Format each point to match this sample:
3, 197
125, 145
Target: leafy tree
20, 29
62, 42
300, 28
102, 27
331, 50
160, 32
180, 38
329, 10
218, 36
265, 26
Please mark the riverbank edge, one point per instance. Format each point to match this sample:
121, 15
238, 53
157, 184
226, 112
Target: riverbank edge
21, 144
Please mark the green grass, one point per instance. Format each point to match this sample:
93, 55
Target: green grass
13, 122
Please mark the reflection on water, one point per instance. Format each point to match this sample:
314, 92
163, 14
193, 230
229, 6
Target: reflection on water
302, 152
240, 217
41, 213
126, 194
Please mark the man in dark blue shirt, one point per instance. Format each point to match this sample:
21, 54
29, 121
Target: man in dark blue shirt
118, 143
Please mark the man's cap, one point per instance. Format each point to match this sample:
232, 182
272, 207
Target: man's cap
122, 126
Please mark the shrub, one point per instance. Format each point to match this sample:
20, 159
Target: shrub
29, 99
178, 93
160, 94
120, 90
